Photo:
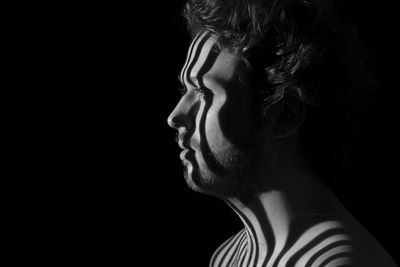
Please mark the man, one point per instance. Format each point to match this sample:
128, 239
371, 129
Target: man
267, 88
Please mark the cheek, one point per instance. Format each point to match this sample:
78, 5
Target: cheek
228, 123
235, 119
208, 131
213, 128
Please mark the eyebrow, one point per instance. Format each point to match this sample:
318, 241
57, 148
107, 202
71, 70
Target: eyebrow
182, 83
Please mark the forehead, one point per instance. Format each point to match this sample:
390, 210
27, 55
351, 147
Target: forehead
206, 58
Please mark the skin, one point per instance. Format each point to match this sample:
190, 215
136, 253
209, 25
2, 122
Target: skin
256, 166
208, 120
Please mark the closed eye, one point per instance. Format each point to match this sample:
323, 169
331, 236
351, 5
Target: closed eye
199, 90
204, 92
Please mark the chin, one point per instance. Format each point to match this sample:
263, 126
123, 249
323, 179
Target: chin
194, 179
201, 179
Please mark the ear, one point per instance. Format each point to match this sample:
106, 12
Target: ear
290, 116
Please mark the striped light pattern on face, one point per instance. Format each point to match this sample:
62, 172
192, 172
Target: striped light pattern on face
212, 96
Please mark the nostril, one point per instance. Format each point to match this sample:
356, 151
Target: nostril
175, 121
171, 121
182, 116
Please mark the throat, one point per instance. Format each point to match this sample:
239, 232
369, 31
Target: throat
267, 221
279, 222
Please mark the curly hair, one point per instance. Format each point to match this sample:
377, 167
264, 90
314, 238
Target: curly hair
301, 48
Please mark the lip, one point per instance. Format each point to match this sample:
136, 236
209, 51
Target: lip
184, 144
184, 155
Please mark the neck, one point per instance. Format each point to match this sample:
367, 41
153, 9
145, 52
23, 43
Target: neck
266, 219
269, 216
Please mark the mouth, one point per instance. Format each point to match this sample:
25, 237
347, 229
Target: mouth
182, 143
186, 148
186, 155
182, 146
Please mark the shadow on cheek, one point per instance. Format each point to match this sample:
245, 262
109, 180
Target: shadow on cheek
208, 156
234, 118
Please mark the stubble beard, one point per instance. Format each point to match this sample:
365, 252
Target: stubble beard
240, 178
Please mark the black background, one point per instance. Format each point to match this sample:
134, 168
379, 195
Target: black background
113, 190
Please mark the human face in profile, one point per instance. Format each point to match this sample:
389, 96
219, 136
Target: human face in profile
214, 118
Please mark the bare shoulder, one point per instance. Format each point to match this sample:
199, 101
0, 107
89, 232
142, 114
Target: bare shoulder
331, 241
368, 251
328, 241
228, 250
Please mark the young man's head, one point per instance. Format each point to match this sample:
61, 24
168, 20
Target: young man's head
266, 83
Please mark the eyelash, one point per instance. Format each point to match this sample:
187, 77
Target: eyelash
199, 90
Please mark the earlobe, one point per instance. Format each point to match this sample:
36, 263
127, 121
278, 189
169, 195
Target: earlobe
290, 116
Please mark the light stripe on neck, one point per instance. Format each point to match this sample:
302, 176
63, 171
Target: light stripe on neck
307, 237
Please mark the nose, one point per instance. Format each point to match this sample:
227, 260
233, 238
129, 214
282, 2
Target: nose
181, 116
